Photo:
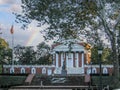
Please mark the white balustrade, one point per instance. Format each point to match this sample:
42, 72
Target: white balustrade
75, 70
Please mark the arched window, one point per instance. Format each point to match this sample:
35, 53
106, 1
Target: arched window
88, 71
12, 70
49, 72
43, 70
105, 71
22, 70
94, 70
33, 71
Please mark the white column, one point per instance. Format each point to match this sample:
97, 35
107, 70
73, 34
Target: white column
82, 59
71, 60
66, 59
62, 58
76, 61
56, 59
53, 59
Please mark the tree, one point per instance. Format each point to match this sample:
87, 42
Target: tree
5, 52
25, 55
43, 54
18, 52
60, 15
94, 55
109, 21
28, 56
106, 55
74, 18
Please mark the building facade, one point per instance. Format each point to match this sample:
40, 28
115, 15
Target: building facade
74, 58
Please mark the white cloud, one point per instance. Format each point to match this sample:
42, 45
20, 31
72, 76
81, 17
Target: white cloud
15, 8
3, 2
10, 6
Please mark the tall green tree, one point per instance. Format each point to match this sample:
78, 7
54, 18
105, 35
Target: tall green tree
106, 55
25, 55
91, 19
5, 52
43, 54
108, 19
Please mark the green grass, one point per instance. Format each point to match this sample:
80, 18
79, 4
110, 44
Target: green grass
6, 80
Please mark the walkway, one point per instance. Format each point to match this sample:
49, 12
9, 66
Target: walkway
29, 79
51, 88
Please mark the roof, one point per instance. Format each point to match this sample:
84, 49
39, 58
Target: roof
65, 47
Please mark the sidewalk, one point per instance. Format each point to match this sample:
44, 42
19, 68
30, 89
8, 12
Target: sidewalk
38, 87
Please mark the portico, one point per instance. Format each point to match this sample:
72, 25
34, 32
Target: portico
74, 59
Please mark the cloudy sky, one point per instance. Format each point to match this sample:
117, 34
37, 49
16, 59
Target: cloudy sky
28, 37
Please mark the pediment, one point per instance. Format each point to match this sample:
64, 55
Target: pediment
63, 47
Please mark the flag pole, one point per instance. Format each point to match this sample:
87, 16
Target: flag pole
12, 49
12, 33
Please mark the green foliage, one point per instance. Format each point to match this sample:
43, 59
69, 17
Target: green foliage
11, 80
43, 54
25, 55
66, 18
28, 56
69, 18
106, 80
94, 55
106, 56
5, 52
3, 43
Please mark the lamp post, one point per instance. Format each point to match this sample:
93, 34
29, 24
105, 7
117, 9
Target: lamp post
91, 74
100, 69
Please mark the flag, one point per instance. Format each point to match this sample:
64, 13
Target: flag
11, 30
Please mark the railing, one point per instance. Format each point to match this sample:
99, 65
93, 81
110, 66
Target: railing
75, 70
70, 71
97, 66
7, 66
57, 71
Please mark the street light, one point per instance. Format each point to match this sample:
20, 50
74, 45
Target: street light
91, 74
100, 49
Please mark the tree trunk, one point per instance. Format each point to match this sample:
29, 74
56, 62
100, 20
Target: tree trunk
116, 64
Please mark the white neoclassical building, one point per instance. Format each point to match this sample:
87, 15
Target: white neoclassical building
73, 59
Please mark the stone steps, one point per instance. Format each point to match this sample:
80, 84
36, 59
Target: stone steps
29, 79
58, 80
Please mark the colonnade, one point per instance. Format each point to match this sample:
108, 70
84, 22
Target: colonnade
72, 59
